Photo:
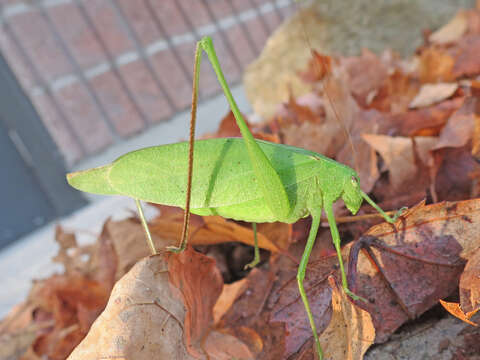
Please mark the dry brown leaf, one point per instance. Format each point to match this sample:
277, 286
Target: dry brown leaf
476, 137
307, 108
207, 230
430, 94
407, 268
128, 239
350, 331
470, 284
458, 131
69, 254
146, 318
69, 304
354, 151
456, 310
396, 92
452, 179
366, 74
427, 121
17, 338
452, 31
436, 65
465, 54
223, 346
324, 139
142, 320
287, 306
228, 296
229, 128
248, 317
198, 283
399, 155
231, 231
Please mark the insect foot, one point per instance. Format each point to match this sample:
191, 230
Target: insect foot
397, 215
175, 249
252, 264
354, 296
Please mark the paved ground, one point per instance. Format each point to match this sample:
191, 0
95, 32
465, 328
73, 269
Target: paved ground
30, 257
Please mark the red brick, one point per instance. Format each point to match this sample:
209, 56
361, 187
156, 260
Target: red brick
273, 20
196, 12
16, 61
244, 51
147, 94
77, 35
172, 76
241, 5
10, 2
119, 107
140, 20
65, 140
84, 117
40, 45
221, 8
257, 32
109, 25
289, 10
259, 3
169, 15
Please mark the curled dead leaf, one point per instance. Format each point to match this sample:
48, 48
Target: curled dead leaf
230, 293
142, 320
470, 283
162, 309
400, 155
207, 230
432, 242
350, 331
451, 31
430, 94
456, 310
197, 282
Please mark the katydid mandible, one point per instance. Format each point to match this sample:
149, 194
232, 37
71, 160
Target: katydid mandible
237, 178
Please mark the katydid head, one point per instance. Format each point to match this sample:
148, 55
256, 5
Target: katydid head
352, 194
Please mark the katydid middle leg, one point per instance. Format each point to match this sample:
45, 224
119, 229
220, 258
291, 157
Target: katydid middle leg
256, 257
316, 215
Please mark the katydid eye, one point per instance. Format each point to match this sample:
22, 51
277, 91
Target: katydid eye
354, 181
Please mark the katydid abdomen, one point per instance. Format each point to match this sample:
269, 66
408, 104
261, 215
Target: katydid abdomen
223, 179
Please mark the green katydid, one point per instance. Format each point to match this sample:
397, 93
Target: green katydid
238, 178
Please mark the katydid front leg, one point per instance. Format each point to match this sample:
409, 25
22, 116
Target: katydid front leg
387, 218
328, 207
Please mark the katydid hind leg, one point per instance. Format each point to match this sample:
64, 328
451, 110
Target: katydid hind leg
268, 180
328, 207
301, 277
256, 257
193, 117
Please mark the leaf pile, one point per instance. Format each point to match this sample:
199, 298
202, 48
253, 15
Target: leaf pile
413, 136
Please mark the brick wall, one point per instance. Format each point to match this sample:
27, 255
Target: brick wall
99, 71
